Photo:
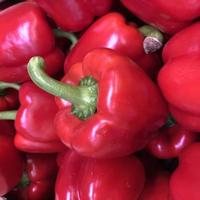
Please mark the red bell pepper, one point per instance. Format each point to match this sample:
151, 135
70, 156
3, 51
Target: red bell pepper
170, 141
179, 79
8, 96
111, 31
185, 42
38, 180
108, 107
11, 161
168, 16
85, 178
34, 121
74, 15
25, 34
185, 181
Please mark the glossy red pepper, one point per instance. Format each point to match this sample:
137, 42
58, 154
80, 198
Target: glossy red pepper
184, 42
34, 121
170, 141
111, 31
11, 161
168, 16
85, 178
29, 35
38, 180
74, 15
8, 96
179, 79
185, 181
115, 107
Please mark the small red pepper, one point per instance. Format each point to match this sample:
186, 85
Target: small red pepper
111, 31
11, 161
74, 15
185, 42
8, 96
179, 79
38, 180
85, 178
168, 16
170, 141
185, 181
34, 121
27, 34
115, 107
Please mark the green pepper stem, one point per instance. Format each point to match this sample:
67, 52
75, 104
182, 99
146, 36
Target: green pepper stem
67, 35
82, 96
153, 38
8, 115
25, 181
6, 85
170, 122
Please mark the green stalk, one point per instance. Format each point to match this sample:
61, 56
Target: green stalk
6, 85
153, 38
83, 97
67, 35
8, 115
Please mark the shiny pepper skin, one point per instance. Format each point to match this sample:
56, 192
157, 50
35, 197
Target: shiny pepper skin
185, 42
113, 32
81, 178
74, 15
35, 132
129, 107
179, 81
29, 35
39, 178
168, 16
170, 141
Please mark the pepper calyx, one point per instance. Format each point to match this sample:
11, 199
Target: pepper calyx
83, 111
83, 97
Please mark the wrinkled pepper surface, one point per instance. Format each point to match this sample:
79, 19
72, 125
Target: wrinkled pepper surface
112, 31
85, 178
25, 34
168, 16
115, 107
74, 15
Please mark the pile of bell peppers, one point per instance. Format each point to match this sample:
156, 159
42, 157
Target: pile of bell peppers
99, 100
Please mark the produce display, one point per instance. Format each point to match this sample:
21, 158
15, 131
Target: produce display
99, 100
